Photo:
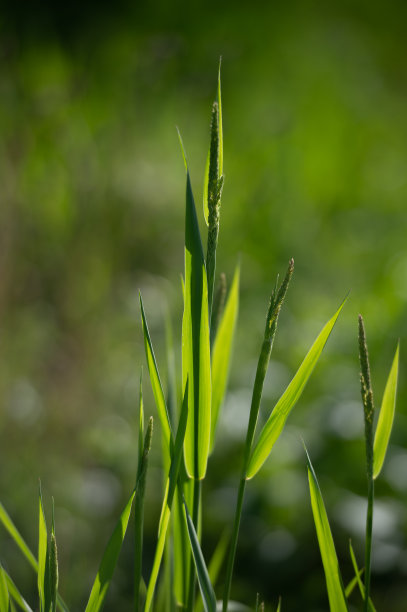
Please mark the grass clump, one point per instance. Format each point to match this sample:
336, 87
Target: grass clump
208, 327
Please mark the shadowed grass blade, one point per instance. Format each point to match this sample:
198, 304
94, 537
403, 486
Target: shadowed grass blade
182, 555
386, 416
109, 560
53, 564
336, 594
4, 595
155, 381
195, 346
168, 499
359, 582
205, 585
279, 605
15, 594
216, 562
275, 424
13, 531
222, 351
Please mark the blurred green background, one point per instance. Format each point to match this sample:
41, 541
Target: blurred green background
92, 204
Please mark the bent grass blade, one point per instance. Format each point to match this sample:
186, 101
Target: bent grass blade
205, 585
275, 424
358, 581
4, 594
15, 594
18, 539
336, 594
221, 352
386, 417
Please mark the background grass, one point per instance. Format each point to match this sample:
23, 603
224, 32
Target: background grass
315, 132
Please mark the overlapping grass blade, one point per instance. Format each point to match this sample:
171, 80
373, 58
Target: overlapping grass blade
109, 560
358, 573
336, 594
53, 564
205, 585
168, 499
4, 594
18, 539
386, 416
156, 382
182, 555
195, 346
216, 562
222, 351
15, 594
275, 424
43, 560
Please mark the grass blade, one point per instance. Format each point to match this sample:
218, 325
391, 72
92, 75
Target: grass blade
205, 585
139, 504
182, 555
156, 381
216, 562
195, 346
18, 539
222, 351
336, 595
4, 594
15, 593
358, 573
275, 424
386, 416
168, 499
109, 560
279, 605
53, 565
43, 566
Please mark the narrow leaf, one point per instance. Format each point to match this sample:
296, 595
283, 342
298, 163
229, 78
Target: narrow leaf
275, 424
53, 565
4, 595
15, 594
222, 352
386, 416
109, 560
195, 346
18, 539
359, 582
42, 558
155, 381
336, 595
216, 562
205, 585
168, 499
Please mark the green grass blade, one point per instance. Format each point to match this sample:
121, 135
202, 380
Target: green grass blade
386, 416
18, 539
195, 346
350, 587
275, 424
4, 594
279, 605
336, 595
168, 499
43, 567
221, 353
182, 554
109, 560
216, 562
358, 581
156, 381
53, 564
15, 594
205, 585
139, 506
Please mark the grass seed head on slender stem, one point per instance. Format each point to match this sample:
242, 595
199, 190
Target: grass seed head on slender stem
365, 380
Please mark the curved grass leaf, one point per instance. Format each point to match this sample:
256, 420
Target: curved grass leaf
222, 351
155, 381
195, 346
275, 424
15, 594
4, 595
216, 562
205, 585
358, 581
109, 560
386, 416
168, 500
336, 594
